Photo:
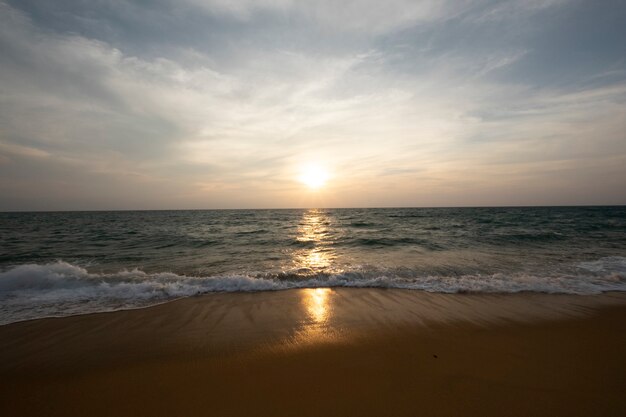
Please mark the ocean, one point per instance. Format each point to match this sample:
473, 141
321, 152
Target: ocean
66, 263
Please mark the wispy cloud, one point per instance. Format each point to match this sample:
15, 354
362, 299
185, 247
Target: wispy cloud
402, 109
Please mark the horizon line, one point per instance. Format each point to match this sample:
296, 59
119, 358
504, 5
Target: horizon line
317, 208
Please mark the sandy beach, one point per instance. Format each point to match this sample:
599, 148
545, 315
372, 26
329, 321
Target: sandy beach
280, 208
324, 352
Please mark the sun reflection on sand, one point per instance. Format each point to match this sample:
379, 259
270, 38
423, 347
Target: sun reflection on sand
316, 327
316, 301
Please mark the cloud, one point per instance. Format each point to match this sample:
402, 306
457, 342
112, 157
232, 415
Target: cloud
511, 9
400, 106
352, 15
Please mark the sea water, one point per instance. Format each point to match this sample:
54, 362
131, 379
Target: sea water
64, 263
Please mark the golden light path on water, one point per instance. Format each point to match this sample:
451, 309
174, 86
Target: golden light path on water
313, 232
317, 256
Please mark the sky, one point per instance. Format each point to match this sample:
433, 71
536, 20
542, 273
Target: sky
199, 104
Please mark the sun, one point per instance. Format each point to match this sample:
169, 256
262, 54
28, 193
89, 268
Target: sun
313, 176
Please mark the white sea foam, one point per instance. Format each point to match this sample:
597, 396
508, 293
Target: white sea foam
59, 289
610, 264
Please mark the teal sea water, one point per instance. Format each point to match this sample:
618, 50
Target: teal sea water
64, 263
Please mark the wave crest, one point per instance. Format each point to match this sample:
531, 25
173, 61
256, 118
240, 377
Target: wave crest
60, 288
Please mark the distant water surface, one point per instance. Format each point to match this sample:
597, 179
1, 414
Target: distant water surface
65, 263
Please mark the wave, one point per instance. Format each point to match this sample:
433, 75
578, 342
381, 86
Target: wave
56, 289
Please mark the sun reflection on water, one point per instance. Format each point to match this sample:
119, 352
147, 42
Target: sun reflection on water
314, 233
315, 257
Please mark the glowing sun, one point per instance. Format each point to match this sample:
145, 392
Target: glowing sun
313, 176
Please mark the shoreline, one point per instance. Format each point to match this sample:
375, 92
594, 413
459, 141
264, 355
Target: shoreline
602, 295
368, 350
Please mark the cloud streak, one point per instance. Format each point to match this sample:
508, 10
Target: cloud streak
401, 108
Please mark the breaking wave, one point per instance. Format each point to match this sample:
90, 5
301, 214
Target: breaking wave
60, 289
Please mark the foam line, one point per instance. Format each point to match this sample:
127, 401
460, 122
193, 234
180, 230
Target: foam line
60, 288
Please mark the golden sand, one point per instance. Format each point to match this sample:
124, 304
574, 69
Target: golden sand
324, 352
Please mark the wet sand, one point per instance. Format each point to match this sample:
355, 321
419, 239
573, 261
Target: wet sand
324, 352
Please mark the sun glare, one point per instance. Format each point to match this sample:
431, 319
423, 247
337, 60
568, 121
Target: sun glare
314, 176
